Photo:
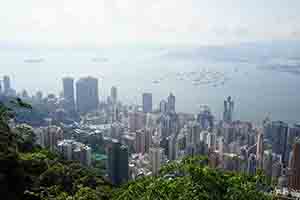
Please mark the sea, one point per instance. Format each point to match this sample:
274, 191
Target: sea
257, 87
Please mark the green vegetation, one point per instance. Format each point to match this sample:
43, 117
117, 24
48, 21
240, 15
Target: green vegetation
192, 179
30, 172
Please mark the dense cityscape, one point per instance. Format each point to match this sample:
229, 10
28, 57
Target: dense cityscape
127, 142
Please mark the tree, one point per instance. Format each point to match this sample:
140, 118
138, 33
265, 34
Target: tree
193, 179
86, 193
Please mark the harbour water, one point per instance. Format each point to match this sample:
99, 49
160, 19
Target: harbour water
257, 92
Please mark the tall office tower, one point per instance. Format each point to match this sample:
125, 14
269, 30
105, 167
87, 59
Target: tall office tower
148, 139
205, 118
6, 85
163, 106
147, 102
260, 150
87, 94
117, 162
294, 179
140, 141
68, 93
251, 164
228, 110
114, 95
156, 157
171, 103
194, 130
279, 140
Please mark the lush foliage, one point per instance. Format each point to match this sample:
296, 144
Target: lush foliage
192, 179
30, 172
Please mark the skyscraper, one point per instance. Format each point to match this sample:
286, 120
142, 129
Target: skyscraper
117, 163
279, 132
114, 94
260, 150
136, 120
68, 91
228, 110
147, 102
140, 141
205, 118
6, 84
163, 106
156, 156
171, 103
148, 139
294, 179
87, 94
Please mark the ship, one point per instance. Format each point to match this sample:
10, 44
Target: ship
31, 60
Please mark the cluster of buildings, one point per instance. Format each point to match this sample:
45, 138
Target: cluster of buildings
139, 139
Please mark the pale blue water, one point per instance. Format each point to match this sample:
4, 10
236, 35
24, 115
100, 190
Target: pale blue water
257, 93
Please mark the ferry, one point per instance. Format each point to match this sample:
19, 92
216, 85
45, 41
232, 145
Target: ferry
39, 60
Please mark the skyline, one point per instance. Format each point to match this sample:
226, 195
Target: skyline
74, 23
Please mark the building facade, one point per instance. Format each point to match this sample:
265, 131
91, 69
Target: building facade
87, 97
147, 102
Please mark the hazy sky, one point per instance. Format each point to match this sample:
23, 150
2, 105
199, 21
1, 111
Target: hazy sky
98, 22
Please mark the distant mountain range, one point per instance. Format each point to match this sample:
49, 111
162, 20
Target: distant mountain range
246, 52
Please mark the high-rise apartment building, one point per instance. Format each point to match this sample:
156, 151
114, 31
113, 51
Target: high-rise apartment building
294, 179
72, 150
147, 102
114, 94
117, 163
87, 96
148, 139
156, 157
140, 141
137, 120
48, 137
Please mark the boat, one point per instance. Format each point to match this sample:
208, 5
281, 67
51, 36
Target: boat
156, 82
31, 60
99, 59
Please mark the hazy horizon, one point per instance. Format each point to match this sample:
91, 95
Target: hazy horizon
122, 22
